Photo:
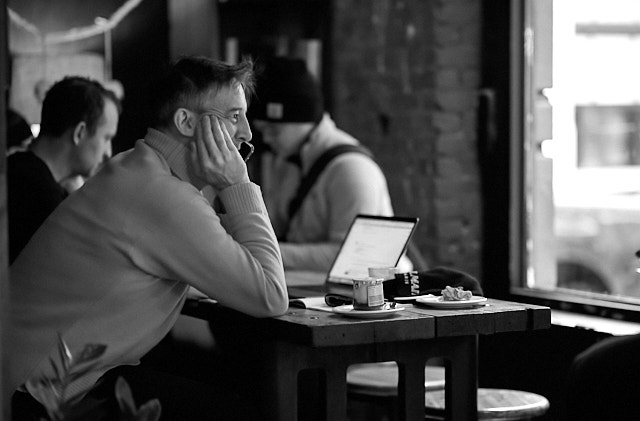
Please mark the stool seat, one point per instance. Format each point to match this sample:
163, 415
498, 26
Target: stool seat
381, 379
496, 404
377, 383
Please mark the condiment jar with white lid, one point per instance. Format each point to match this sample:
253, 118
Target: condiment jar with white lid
368, 293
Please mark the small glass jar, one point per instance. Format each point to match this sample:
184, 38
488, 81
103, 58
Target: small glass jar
368, 293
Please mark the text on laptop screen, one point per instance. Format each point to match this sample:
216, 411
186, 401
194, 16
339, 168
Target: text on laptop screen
371, 242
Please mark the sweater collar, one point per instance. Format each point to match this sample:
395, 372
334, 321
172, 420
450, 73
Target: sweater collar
177, 153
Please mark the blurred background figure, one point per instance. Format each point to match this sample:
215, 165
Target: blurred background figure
603, 381
18, 132
79, 119
289, 113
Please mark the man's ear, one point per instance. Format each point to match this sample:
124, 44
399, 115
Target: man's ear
185, 121
79, 132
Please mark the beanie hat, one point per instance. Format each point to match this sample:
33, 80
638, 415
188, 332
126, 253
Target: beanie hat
287, 92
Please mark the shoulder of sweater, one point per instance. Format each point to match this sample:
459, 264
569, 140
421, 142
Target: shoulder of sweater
353, 162
143, 154
145, 169
328, 134
316, 147
351, 168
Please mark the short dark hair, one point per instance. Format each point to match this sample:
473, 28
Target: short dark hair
187, 82
72, 100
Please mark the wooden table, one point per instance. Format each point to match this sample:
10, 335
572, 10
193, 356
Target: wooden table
307, 339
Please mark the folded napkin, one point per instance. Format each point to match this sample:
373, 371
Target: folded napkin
431, 281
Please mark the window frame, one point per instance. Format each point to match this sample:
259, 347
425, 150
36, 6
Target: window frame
520, 129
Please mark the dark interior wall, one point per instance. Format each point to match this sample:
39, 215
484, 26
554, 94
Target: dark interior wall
141, 50
260, 25
140, 45
406, 78
494, 131
4, 257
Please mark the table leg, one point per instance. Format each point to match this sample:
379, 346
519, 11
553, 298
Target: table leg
283, 363
336, 393
280, 384
411, 389
461, 378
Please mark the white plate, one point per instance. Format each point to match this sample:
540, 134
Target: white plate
415, 297
348, 310
440, 303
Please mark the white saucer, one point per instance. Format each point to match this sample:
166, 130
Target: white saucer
440, 303
415, 297
349, 311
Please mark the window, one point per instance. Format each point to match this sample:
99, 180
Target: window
581, 160
608, 135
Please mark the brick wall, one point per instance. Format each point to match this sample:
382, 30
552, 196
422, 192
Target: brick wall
405, 79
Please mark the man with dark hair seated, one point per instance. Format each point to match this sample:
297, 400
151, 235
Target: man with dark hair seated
78, 120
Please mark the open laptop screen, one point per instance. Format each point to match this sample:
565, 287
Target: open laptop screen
372, 241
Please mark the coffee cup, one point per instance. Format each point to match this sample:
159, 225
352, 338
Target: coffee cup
384, 272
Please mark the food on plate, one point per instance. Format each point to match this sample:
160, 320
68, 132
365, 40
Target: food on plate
455, 294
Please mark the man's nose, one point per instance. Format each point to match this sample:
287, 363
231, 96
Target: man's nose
243, 134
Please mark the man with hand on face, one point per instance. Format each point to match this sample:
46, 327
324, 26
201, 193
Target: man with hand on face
78, 120
115, 261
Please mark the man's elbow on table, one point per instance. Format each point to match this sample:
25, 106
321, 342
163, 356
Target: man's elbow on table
273, 305
268, 300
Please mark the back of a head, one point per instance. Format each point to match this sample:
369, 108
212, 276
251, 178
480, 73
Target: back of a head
287, 92
72, 100
188, 81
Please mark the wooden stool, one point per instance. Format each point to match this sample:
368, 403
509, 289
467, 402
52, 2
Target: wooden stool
495, 404
381, 379
373, 389
375, 384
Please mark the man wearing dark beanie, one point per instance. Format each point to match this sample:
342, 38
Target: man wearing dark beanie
311, 223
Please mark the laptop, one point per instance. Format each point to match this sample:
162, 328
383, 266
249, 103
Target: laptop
371, 241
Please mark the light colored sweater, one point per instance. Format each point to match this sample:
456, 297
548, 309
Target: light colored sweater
113, 263
350, 184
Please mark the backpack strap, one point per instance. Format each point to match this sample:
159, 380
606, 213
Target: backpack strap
316, 169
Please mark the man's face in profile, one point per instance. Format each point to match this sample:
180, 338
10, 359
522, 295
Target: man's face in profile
95, 148
229, 104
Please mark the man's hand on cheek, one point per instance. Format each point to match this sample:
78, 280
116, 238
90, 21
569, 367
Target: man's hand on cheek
216, 158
